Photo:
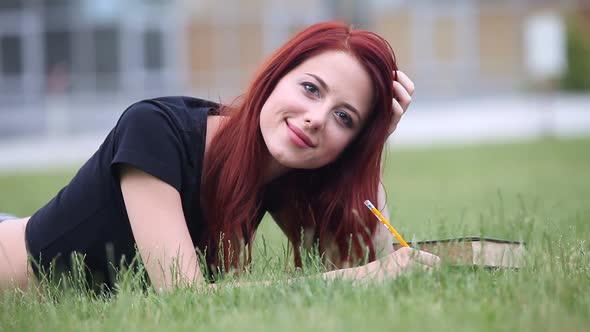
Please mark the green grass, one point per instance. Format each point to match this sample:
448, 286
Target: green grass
537, 192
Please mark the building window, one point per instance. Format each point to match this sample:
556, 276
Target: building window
58, 60
153, 50
11, 55
11, 4
50, 4
106, 44
107, 59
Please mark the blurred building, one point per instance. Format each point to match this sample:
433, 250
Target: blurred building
85, 48
450, 48
70, 66
469, 47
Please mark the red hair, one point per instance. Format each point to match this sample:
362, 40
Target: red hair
327, 201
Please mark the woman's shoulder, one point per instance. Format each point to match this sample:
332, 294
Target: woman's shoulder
176, 103
182, 102
161, 136
181, 112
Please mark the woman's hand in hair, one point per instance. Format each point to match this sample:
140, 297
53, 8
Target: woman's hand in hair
403, 89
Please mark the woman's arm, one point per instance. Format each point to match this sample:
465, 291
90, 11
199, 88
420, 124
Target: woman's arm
403, 260
159, 227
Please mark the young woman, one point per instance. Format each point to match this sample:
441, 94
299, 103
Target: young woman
178, 173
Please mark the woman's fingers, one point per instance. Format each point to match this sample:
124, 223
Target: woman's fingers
407, 83
403, 260
403, 256
402, 96
403, 89
426, 258
398, 111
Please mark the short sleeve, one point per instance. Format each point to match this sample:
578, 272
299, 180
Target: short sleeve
149, 138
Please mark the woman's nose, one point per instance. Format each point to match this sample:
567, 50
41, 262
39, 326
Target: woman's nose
315, 118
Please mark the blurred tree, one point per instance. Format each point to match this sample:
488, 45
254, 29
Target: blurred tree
577, 75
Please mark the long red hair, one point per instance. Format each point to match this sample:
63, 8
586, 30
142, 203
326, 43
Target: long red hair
327, 203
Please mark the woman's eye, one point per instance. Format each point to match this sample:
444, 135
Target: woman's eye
345, 118
311, 88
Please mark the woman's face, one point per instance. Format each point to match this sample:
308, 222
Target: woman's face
316, 110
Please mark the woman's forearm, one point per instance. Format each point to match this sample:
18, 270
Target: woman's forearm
364, 272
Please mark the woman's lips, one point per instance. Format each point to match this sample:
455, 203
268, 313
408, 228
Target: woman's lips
298, 136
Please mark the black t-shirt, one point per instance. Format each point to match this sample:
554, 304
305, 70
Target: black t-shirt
164, 137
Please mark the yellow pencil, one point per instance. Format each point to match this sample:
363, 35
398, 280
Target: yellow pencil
386, 223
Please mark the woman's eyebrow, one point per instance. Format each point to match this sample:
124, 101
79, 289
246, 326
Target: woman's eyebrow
325, 86
321, 81
353, 110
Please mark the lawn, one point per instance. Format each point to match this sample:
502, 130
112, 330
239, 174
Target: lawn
538, 192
